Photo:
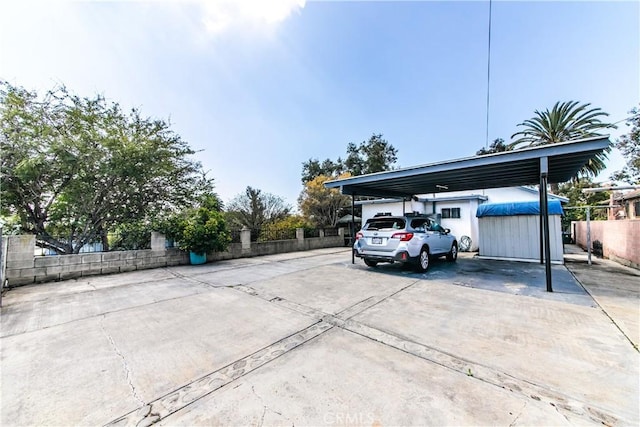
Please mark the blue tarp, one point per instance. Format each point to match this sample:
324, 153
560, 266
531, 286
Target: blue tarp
519, 208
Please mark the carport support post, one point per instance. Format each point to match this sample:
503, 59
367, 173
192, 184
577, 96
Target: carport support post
541, 223
544, 211
353, 227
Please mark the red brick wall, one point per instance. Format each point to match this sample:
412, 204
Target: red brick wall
620, 239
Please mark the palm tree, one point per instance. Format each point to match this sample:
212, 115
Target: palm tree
565, 122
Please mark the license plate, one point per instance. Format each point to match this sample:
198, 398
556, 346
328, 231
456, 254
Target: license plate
376, 240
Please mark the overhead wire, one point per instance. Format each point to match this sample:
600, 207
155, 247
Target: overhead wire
486, 142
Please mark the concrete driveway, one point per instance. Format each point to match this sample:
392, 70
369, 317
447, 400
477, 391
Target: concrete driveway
309, 339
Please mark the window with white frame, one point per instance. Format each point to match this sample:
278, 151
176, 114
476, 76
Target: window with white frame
450, 213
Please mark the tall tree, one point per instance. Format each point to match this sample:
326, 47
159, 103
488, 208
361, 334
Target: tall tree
564, 122
74, 168
497, 146
374, 155
255, 208
629, 145
322, 206
313, 168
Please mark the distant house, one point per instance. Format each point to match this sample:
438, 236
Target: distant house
630, 203
624, 205
453, 210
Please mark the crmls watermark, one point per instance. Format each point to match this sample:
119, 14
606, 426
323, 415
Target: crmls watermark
348, 418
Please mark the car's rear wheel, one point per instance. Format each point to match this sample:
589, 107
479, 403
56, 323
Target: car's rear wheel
370, 263
453, 253
423, 260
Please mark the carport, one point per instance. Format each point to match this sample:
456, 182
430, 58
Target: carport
542, 165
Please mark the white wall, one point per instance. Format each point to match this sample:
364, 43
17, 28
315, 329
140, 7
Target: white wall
466, 225
395, 208
511, 194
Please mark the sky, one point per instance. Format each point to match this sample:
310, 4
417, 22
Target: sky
260, 86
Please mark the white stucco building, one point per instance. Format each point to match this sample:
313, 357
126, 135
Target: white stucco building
454, 210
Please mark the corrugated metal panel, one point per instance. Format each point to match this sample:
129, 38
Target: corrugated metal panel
518, 237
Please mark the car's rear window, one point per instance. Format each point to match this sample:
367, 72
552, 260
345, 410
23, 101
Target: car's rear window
420, 223
387, 223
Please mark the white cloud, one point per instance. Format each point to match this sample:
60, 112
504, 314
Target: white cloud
220, 16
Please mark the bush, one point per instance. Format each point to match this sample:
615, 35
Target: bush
204, 231
283, 229
199, 230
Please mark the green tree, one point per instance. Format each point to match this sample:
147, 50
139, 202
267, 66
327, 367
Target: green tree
629, 145
497, 146
255, 208
313, 168
573, 191
374, 155
564, 122
75, 168
322, 206
291, 222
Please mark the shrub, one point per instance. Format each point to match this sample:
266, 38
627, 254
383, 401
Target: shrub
204, 231
199, 230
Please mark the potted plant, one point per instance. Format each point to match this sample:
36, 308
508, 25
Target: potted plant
200, 230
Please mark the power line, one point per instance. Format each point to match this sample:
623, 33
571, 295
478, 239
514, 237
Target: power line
624, 120
486, 142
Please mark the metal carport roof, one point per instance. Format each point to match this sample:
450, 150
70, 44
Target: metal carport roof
537, 165
507, 169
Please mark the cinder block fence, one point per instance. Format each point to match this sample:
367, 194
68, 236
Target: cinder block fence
22, 267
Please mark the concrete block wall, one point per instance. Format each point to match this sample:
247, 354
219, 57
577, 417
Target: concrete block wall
620, 239
20, 260
22, 267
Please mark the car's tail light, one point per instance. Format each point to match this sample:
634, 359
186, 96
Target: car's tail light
359, 235
404, 237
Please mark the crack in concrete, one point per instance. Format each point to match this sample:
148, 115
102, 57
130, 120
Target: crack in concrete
170, 403
125, 365
188, 278
513, 423
266, 408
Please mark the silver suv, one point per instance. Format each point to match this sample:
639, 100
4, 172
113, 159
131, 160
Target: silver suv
406, 239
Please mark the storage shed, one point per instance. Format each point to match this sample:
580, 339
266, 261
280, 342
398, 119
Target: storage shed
512, 231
